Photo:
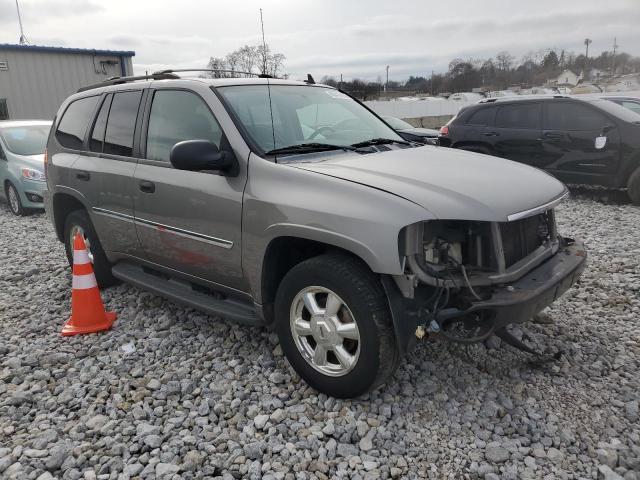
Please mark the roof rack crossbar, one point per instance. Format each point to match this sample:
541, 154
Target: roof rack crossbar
218, 70
120, 80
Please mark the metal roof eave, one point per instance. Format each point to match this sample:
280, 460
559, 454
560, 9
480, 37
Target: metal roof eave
82, 51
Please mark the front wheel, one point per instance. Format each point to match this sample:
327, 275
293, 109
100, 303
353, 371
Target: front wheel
334, 325
633, 187
13, 199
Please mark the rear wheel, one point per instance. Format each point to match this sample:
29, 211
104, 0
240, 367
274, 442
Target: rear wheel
334, 325
13, 199
79, 222
633, 187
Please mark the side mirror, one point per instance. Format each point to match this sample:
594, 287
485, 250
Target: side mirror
197, 155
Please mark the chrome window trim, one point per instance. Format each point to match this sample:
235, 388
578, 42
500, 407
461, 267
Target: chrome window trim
218, 242
540, 209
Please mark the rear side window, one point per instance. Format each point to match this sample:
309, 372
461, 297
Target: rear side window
482, 116
519, 116
97, 135
74, 122
572, 116
178, 115
118, 139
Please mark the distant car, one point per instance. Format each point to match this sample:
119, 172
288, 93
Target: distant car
631, 103
579, 140
411, 133
22, 145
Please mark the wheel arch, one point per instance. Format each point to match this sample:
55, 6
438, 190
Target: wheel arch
64, 203
286, 251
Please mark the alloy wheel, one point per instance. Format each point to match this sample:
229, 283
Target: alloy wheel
325, 331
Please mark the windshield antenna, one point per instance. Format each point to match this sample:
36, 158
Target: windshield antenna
264, 46
23, 39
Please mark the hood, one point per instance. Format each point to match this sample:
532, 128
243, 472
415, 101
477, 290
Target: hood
449, 183
33, 161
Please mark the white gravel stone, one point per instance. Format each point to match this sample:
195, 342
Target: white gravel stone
198, 397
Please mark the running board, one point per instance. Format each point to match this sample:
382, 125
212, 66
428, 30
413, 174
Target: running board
182, 292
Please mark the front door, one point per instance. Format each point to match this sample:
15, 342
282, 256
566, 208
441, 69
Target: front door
187, 221
580, 139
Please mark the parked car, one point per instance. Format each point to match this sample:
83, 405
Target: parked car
632, 103
22, 163
411, 133
348, 240
578, 140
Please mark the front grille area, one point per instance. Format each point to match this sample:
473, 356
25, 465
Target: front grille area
521, 237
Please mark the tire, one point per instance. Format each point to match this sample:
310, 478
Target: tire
79, 219
375, 355
633, 187
13, 200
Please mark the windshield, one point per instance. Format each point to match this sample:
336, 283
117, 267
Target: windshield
302, 114
397, 124
25, 140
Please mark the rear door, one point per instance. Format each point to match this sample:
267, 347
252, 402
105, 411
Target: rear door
517, 130
579, 138
187, 221
107, 170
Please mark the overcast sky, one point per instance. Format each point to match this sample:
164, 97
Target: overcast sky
327, 37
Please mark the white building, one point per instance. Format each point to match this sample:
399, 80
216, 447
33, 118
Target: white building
34, 80
567, 77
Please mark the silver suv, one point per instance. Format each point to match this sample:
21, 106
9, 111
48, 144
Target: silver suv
290, 204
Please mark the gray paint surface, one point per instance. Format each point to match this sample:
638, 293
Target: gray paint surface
36, 82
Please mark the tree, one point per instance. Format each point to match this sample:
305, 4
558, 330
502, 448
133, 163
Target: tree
247, 58
550, 60
504, 60
216, 64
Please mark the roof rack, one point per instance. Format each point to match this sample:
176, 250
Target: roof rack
120, 80
520, 97
259, 75
164, 75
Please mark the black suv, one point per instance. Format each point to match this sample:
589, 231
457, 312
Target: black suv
584, 141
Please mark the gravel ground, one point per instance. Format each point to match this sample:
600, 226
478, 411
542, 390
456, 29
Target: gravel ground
172, 393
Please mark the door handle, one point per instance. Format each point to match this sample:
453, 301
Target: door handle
146, 186
82, 175
492, 134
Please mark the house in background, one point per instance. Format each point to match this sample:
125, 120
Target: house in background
567, 77
34, 80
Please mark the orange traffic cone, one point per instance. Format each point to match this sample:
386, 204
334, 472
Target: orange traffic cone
87, 310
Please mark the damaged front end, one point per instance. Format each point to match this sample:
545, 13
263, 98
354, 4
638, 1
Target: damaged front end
467, 280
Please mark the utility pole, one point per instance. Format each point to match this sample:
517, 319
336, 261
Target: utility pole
264, 46
432, 83
587, 41
386, 85
23, 39
615, 47
340, 86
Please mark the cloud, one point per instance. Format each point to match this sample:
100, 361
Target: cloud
40, 11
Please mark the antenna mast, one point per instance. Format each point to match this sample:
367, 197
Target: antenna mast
23, 39
264, 46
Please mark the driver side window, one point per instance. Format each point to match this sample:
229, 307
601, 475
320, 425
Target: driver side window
178, 115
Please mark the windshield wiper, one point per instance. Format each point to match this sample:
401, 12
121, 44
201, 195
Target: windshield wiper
378, 141
309, 148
